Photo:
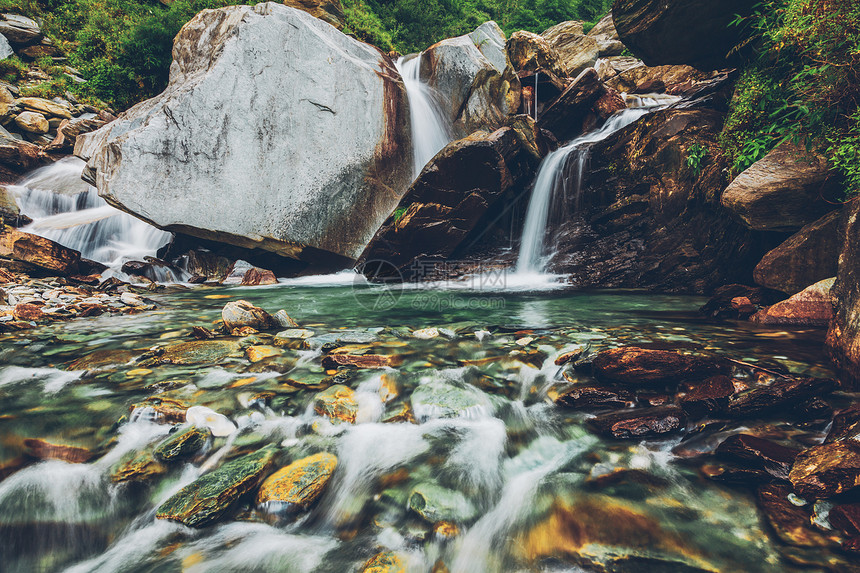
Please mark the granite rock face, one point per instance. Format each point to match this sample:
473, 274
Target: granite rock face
276, 132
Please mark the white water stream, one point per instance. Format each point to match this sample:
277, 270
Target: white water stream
559, 179
430, 129
67, 210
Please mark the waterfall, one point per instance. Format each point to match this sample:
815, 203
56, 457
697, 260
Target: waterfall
430, 130
560, 176
67, 210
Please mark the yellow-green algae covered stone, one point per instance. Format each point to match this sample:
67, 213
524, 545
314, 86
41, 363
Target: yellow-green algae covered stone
384, 562
207, 498
182, 444
299, 484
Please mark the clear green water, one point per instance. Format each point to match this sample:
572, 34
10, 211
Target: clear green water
526, 475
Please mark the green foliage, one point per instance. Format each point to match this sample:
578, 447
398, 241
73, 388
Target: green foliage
12, 70
696, 156
803, 86
398, 214
123, 47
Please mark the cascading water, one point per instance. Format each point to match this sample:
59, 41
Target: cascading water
559, 178
67, 210
430, 130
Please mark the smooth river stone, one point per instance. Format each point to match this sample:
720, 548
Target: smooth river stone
300, 484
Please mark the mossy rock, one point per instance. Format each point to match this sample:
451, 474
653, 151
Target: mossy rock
182, 443
199, 352
337, 403
140, 466
209, 497
385, 562
300, 484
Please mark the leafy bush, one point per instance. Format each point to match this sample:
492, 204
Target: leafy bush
804, 85
696, 156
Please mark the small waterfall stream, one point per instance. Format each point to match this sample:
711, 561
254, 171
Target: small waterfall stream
430, 129
67, 210
559, 178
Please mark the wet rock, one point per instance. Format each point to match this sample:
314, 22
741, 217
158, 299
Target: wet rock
808, 256
846, 424
640, 423
846, 518
843, 338
661, 79
721, 304
576, 51
595, 397
693, 32
197, 352
293, 338
296, 487
530, 53
473, 92
565, 117
570, 355
827, 470
358, 146
385, 562
137, 466
790, 522
779, 395
202, 417
734, 474
707, 397
758, 452
438, 399
608, 68
68, 132
10, 214
44, 450
259, 353
643, 366
743, 306
45, 107
445, 205
333, 361
28, 312
209, 497
182, 444
813, 306
38, 251
646, 221
282, 318
435, 503
241, 313
338, 403
202, 333
17, 155
255, 276
784, 191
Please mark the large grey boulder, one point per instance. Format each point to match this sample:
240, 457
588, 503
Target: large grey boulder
5, 48
276, 131
464, 72
784, 191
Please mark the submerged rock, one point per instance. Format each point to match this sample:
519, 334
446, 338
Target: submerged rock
846, 424
640, 423
182, 444
594, 397
791, 523
203, 417
332, 361
827, 470
777, 396
338, 403
385, 562
752, 450
197, 352
209, 497
137, 466
708, 397
297, 486
300, 89
435, 503
241, 313
644, 366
